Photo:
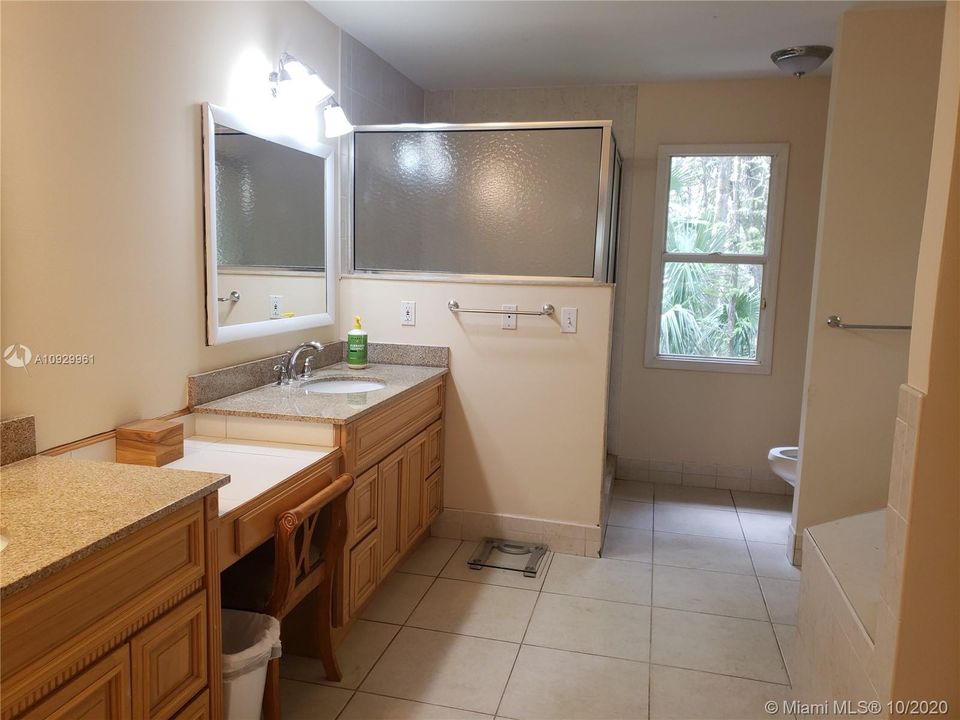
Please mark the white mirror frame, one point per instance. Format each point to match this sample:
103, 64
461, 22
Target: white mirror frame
219, 334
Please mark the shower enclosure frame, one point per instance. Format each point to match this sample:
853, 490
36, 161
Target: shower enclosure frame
608, 204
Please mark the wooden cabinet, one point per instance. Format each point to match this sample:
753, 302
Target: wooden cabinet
199, 709
123, 633
390, 474
364, 572
401, 444
169, 661
102, 692
364, 506
434, 447
432, 497
411, 495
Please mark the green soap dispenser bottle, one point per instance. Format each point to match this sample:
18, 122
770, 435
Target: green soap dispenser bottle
357, 346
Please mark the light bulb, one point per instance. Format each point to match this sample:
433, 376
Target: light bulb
335, 121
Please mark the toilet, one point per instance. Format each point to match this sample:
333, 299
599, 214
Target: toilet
783, 461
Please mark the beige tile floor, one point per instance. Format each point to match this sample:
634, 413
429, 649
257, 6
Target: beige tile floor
690, 613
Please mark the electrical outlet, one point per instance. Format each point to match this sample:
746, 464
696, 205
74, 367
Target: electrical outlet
568, 320
408, 312
276, 306
509, 317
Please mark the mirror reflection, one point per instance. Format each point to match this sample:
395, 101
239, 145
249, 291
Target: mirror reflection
270, 229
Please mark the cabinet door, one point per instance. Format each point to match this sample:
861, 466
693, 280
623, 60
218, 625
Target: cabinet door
169, 660
432, 497
362, 506
389, 480
102, 692
411, 494
434, 447
363, 572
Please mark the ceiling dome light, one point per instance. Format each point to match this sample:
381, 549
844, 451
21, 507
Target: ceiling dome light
335, 121
802, 59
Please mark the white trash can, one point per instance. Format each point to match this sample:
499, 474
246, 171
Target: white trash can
250, 640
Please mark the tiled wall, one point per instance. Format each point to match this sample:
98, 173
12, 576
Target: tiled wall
698, 474
372, 91
834, 656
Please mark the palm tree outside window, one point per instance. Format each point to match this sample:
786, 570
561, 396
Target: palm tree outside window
716, 249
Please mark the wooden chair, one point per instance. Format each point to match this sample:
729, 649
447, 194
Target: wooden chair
308, 544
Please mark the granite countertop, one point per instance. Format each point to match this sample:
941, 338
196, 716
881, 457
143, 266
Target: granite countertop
293, 402
55, 511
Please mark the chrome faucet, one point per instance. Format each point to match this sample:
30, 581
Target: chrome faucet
287, 367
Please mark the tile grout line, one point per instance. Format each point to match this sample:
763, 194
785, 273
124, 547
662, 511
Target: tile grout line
395, 635
776, 640
523, 637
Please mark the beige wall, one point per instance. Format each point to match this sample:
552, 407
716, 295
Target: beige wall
526, 408
928, 632
708, 418
724, 419
875, 178
617, 103
301, 293
101, 208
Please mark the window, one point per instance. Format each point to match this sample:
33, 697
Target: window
716, 248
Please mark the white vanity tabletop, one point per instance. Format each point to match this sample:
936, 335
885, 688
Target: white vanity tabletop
254, 466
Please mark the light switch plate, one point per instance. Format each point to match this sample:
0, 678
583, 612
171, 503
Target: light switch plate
568, 320
509, 317
408, 312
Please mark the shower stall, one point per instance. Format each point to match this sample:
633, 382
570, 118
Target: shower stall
529, 200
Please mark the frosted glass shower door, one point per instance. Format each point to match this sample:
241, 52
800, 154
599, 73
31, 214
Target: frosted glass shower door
480, 201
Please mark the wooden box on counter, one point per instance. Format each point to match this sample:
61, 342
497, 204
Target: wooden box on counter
149, 442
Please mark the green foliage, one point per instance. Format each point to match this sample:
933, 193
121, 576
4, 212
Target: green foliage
716, 205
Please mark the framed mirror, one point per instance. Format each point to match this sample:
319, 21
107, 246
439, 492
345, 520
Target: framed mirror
269, 229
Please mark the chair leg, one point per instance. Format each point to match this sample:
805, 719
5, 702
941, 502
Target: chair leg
271, 691
325, 637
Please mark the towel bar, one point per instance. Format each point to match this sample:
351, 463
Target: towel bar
454, 307
834, 321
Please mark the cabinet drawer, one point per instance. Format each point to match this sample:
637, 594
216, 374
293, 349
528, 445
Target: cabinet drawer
364, 573
199, 709
102, 692
432, 497
362, 506
434, 447
371, 438
169, 660
257, 524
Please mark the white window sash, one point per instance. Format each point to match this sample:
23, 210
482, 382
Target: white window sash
769, 260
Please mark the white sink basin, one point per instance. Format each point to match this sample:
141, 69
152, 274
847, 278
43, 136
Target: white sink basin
342, 386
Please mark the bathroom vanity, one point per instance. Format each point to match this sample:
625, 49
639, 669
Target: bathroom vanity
110, 591
389, 438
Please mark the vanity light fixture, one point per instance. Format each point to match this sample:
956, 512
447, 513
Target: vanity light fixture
335, 121
298, 81
802, 59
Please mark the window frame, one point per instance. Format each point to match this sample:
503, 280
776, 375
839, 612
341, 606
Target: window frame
770, 259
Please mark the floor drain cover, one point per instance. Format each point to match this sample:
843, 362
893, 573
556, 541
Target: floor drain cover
508, 555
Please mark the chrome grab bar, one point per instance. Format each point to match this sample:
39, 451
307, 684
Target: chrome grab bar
233, 297
834, 321
454, 307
